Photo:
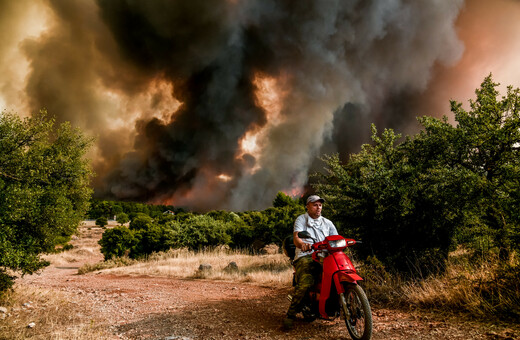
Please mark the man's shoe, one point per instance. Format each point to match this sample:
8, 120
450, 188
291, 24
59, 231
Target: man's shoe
288, 323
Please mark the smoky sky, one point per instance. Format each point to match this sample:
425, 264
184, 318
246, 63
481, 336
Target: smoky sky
169, 88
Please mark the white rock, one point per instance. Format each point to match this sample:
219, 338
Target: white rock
31, 325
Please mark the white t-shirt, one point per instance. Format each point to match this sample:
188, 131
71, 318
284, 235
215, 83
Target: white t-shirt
319, 228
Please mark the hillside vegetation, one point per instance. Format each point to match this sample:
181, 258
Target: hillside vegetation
427, 207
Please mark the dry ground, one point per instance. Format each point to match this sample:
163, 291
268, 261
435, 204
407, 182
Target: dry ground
145, 307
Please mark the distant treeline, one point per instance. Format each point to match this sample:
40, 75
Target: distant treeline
154, 228
109, 209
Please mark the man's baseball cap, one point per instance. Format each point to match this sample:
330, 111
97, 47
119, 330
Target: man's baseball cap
314, 198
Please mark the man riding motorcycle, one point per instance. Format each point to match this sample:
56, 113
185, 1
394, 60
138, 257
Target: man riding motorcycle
306, 270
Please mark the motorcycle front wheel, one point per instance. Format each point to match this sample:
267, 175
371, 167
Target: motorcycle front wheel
356, 312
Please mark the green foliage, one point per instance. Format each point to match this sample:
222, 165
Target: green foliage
117, 242
238, 230
141, 222
273, 224
6, 281
154, 238
44, 190
102, 221
410, 201
122, 218
201, 231
110, 208
282, 200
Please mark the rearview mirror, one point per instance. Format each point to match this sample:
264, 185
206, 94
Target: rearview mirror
304, 234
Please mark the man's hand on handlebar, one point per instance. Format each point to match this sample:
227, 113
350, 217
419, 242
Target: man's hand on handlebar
306, 247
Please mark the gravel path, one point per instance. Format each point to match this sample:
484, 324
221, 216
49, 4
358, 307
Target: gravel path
142, 307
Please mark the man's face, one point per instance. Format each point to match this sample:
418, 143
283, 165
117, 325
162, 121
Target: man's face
314, 209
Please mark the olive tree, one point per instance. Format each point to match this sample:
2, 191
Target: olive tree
412, 200
44, 190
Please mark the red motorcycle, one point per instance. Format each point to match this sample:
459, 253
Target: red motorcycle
337, 294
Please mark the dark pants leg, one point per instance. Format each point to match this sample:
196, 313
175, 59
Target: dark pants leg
306, 271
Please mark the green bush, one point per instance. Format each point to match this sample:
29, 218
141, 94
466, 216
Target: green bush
122, 218
44, 190
154, 238
200, 231
410, 201
146, 235
117, 242
6, 281
102, 221
141, 221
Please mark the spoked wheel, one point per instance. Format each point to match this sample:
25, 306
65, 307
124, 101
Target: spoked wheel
355, 309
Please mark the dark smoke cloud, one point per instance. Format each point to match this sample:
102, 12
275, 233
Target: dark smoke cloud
332, 52
168, 87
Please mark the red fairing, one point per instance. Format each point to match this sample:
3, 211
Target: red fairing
336, 266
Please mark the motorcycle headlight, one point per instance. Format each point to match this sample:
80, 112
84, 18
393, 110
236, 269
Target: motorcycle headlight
338, 243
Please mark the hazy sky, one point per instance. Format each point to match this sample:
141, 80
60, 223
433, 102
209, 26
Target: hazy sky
221, 104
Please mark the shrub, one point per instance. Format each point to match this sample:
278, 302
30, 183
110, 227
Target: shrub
102, 221
44, 190
122, 218
117, 242
141, 221
152, 239
200, 231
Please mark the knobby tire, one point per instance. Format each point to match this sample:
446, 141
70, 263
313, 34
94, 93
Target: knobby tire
356, 312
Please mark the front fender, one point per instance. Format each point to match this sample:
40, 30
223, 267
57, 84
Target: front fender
337, 277
345, 277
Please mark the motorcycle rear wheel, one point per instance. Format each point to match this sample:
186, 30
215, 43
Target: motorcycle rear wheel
356, 312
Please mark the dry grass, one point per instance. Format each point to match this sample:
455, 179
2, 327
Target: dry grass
54, 314
182, 263
85, 248
483, 288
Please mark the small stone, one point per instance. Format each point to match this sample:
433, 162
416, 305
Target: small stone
232, 267
3, 310
31, 325
205, 267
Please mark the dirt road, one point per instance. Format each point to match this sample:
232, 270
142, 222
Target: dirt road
164, 308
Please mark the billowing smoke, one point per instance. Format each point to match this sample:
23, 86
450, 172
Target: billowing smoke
216, 104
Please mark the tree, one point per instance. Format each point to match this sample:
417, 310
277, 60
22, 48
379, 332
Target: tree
490, 135
44, 190
122, 218
102, 221
117, 242
412, 201
282, 200
200, 231
141, 221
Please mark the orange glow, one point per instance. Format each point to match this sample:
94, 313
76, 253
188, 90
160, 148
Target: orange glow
248, 144
224, 177
156, 102
294, 192
269, 96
